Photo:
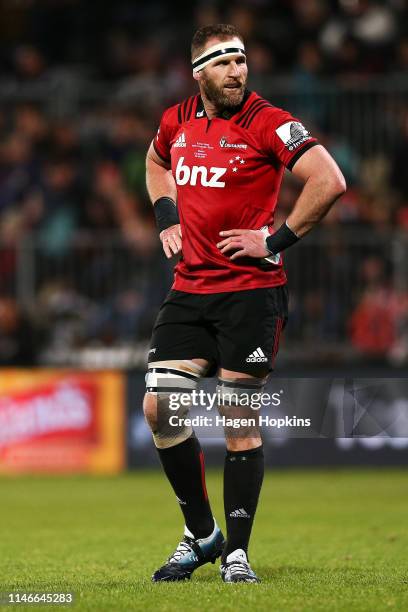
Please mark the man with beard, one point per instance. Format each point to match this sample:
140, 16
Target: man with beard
220, 155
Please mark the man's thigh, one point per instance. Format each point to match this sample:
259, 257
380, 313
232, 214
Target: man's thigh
180, 331
249, 324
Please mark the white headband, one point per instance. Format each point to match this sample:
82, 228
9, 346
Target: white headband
224, 49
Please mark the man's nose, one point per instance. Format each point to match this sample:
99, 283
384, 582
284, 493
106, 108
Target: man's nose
233, 69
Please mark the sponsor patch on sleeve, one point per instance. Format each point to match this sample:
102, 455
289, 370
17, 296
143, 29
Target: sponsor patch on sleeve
293, 134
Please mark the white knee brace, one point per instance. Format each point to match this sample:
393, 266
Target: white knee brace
239, 391
165, 378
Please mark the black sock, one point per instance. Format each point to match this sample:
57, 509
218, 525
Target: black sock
243, 476
184, 467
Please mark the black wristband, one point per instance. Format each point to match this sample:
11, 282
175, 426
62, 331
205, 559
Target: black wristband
281, 239
165, 211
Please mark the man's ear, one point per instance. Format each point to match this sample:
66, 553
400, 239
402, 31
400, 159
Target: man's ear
197, 76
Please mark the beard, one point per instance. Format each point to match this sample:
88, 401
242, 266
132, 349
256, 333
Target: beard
223, 98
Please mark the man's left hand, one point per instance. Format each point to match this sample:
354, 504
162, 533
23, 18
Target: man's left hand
246, 243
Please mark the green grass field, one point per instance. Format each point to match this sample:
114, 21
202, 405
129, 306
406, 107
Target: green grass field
323, 540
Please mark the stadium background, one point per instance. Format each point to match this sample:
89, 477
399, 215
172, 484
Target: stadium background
82, 273
82, 88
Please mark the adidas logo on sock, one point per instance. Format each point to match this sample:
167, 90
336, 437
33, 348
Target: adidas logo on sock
181, 141
258, 356
181, 502
240, 513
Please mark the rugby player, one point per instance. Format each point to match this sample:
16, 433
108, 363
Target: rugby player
214, 172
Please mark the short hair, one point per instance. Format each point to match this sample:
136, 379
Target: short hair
223, 31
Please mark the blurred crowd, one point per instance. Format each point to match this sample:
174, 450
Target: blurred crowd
82, 88
141, 40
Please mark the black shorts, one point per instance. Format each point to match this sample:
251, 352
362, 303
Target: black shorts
238, 330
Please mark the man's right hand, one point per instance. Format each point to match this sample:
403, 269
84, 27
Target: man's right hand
171, 240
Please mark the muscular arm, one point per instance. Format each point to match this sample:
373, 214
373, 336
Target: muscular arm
160, 183
323, 184
159, 179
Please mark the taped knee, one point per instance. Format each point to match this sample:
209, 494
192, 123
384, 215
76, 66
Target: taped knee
172, 376
171, 382
240, 392
239, 402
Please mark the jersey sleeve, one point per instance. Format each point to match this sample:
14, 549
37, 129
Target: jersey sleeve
163, 139
284, 137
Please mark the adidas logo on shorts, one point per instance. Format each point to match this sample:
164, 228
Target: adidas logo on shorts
240, 513
181, 141
258, 356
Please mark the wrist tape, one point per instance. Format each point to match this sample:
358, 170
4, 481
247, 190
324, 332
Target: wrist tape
165, 211
283, 238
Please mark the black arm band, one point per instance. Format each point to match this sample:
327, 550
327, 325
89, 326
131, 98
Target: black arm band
166, 213
281, 240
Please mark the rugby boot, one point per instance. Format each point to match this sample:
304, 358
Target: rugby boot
190, 554
237, 569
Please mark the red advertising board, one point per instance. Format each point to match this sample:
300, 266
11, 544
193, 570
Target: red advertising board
61, 421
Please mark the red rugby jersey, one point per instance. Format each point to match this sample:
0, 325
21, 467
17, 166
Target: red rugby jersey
228, 172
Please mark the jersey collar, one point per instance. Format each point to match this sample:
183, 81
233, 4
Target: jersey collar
226, 114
